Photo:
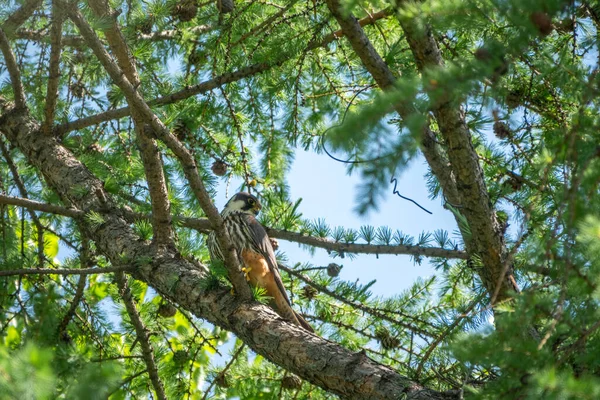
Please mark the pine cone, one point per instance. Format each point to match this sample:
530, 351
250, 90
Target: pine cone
542, 22
291, 382
309, 292
146, 25
219, 168
387, 341
180, 356
77, 89
221, 381
501, 130
181, 130
514, 98
225, 6
167, 310
334, 269
185, 10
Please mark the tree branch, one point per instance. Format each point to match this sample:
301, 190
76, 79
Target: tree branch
16, 19
78, 41
53, 70
23, 191
185, 157
203, 225
319, 361
208, 85
486, 240
13, 71
151, 157
369, 310
385, 79
68, 271
142, 335
366, 248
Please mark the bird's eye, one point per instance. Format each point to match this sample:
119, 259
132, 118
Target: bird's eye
251, 202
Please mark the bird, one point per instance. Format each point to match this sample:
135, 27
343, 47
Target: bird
255, 251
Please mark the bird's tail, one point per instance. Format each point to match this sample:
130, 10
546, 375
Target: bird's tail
286, 311
303, 322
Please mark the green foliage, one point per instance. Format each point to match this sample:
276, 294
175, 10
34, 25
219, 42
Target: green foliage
522, 74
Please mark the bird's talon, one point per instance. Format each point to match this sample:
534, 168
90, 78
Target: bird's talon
246, 271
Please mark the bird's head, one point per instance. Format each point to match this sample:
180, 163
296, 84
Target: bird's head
242, 202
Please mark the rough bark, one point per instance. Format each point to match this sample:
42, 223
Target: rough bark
151, 157
319, 361
487, 239
463, 183
203, 225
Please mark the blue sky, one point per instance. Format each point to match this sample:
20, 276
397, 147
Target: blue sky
327, 191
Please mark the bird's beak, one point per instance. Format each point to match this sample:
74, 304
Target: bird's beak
256, 208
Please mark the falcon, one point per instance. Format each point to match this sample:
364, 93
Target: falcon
254, 249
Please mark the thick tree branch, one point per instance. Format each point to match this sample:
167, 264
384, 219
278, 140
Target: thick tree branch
185, 157
142, 335
487, 240
319, 361
151, 157
385, 79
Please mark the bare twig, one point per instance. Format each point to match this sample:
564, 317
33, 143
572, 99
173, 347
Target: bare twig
142, 335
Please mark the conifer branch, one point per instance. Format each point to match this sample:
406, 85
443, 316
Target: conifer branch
486, 234
185, 157
23, 191
362, 307
13, 71
385, 79
74, 304
142, 335
314, 359
221, 374
53, 70
84, 258
203, 225
63, 271
151, 157
16, 19
79, 42
203, 87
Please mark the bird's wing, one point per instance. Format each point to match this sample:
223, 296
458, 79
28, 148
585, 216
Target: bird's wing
262, 244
